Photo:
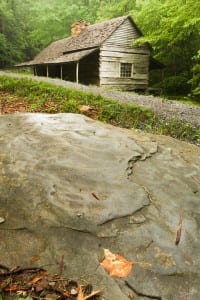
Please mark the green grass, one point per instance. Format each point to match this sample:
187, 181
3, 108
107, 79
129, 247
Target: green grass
189, 101
183, 99
45, 97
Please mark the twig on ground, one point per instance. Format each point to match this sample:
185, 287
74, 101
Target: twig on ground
196, 179
21, 270
61, 266
95, 195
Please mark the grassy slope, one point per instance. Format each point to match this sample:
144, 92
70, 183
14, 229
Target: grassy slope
43, 97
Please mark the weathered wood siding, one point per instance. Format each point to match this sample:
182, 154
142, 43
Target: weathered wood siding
117, 49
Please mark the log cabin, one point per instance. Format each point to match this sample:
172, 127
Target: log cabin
101, 54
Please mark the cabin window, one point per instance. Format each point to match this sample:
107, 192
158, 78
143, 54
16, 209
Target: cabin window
125, 70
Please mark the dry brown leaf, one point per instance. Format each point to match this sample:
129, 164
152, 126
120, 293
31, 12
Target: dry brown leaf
117, 265
179, 229
84, 108
80, 293
41, 285
35, 279
86, 297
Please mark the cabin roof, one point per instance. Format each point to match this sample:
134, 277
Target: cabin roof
94, 35
75, 48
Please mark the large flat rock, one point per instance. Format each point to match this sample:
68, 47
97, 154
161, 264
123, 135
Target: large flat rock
73, 186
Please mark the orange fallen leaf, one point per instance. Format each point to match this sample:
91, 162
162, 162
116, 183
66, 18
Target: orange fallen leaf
15, 288
117, 265
12, 288
35, 279
80, 293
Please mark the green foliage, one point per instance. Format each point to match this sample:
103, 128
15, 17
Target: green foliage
27, 26
195, 81
176, 85
180, 130
172, 27
113, 8
45, 97
14, 29
70, 106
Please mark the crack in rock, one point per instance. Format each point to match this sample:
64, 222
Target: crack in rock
140, 157
131, 162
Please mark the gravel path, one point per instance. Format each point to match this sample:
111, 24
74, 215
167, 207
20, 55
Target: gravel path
167, 109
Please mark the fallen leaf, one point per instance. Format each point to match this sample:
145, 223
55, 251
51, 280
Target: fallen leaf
12, 288
80, 293
15, 288
117, 265
35, 279
95, 195
179, 229
41, 285
35, 258
84, 108
130, 295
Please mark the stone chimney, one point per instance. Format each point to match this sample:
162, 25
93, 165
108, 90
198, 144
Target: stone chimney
77, 27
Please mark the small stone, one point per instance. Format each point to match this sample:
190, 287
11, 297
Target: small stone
52, 283
79, 215
74, 292
2, 220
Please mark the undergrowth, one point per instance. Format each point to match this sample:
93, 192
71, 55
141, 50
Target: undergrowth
45, 97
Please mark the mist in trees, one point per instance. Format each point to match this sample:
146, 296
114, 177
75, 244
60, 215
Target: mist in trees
172, 27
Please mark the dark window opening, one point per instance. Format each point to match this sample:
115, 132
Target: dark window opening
125, 70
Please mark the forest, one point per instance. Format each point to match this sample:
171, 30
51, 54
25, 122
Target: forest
172, 27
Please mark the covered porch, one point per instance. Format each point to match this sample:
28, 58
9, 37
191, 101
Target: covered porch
81, 67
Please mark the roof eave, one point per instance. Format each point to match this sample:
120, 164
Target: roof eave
63, 59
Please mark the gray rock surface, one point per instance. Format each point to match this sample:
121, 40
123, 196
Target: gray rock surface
50, 168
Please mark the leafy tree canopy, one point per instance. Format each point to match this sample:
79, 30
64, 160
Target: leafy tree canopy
172, 27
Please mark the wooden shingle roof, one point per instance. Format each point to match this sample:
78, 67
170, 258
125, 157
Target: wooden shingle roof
94, 35
73, 49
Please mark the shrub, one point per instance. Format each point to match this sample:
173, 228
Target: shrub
195, 81
176, 85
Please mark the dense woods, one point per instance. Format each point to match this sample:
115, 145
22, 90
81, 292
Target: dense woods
171, 26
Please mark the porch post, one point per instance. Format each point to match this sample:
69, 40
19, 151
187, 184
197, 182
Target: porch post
61, 72
77, 71
47, 70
